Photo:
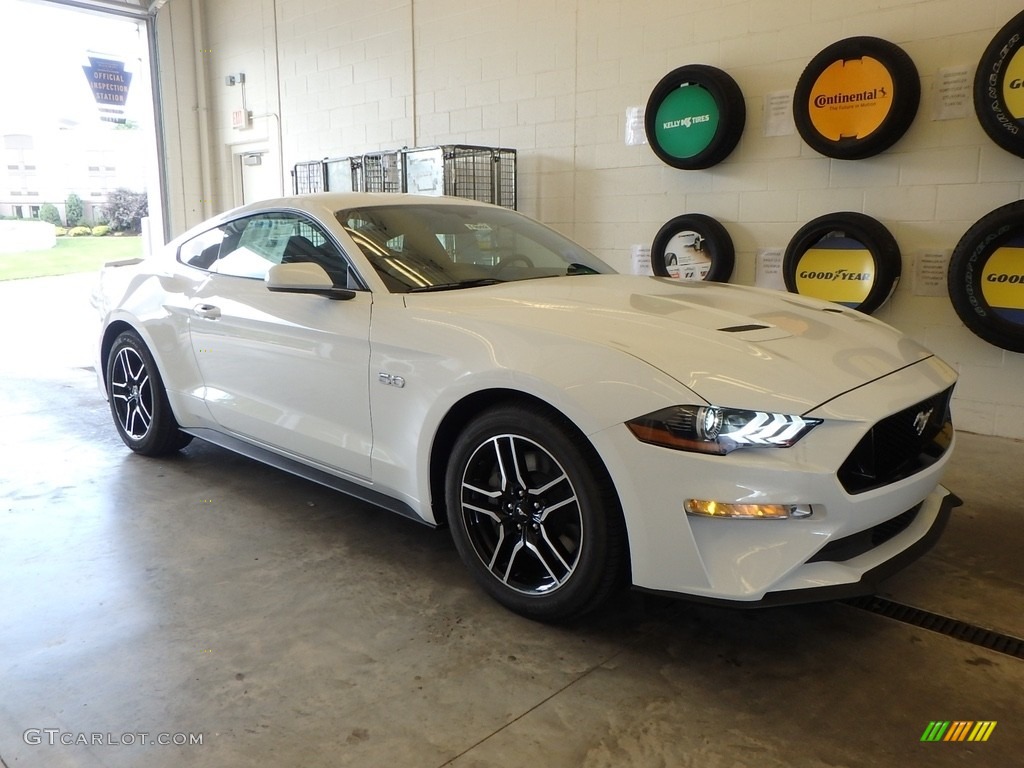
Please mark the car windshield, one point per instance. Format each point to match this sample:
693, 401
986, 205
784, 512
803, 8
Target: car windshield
441, 247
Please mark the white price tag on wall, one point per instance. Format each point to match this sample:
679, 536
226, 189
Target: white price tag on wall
778, 114
954, 92
768, 269
930, 273
640, 258
635, 132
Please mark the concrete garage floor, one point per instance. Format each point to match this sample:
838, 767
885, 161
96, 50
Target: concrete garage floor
288, 625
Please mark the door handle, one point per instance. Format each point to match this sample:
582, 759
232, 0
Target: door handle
208, 311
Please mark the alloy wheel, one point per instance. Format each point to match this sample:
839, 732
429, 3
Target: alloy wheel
522, 514
131, 393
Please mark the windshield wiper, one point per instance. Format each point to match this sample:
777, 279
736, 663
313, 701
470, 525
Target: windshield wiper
454, 286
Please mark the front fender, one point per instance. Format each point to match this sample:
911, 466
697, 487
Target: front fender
441, 364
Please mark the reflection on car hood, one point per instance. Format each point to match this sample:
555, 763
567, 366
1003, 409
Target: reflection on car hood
730, 344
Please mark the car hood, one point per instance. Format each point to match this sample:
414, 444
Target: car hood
731, 345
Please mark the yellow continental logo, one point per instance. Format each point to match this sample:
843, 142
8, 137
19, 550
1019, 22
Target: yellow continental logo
958, 730
851, 98
1013, 85
841, 275
1002, 279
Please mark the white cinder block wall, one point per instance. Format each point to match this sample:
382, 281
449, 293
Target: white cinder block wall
554, 78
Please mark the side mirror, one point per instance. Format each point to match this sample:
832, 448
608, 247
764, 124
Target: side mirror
305, 277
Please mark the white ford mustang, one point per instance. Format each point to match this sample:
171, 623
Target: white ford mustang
460, 363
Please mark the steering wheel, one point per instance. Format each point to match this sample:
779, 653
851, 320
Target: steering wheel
510, 260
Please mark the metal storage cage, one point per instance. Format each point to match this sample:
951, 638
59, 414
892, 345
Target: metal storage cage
308, 177
344, 174
487, 174
382, 172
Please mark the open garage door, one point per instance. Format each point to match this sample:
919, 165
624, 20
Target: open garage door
80, 131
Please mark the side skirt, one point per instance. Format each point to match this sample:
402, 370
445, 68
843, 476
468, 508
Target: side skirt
298, 468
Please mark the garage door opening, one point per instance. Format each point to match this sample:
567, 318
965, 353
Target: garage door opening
80, 177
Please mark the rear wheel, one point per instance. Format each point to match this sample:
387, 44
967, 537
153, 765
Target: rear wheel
138, 401
534, 515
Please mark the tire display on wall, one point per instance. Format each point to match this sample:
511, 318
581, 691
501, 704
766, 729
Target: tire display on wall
693, 247
999, 87
848, 258
986, 277
856, 98
695, 116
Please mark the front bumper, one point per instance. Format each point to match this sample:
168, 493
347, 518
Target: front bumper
862, 574
849, 543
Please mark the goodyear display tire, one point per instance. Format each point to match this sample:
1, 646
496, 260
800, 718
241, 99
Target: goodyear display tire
693, 247
986, 277
999, 87
848, 258
856, 98
695, 116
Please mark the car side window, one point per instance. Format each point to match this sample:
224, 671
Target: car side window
249, 247
202, 250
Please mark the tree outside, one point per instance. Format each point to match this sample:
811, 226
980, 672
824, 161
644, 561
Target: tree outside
126, 209
74, 211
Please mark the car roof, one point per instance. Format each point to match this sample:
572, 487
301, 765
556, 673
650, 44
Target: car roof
329, 202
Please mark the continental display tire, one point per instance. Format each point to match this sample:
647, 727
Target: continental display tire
848, 258
986, 277
856, 98
693, 247
999, 87
694, 117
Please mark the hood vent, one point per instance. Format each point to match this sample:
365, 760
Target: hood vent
743, 328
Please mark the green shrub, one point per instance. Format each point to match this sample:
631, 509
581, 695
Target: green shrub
73, 210
49, 213
100, 230
60, 231
79, 231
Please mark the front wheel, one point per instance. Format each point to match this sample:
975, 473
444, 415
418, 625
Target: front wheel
138, 401
534, 515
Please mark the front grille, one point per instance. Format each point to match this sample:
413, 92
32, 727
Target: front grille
899, 445
849, 547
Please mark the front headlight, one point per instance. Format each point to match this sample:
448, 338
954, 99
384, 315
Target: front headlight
710, 429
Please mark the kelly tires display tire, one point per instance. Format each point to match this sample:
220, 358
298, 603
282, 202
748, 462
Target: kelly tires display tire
848, 258
856, 98
999, 87
138, 401
533, 514
693, 247
986, 277
695, 117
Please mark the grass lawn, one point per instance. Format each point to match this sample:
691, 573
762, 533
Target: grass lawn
70, 254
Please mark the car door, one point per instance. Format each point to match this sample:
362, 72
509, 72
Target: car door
284, 370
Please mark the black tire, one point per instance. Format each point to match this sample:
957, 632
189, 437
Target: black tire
975, 276
710, 240
718, 130
138, 401
871, 120
998, 76
534, 515
853, 233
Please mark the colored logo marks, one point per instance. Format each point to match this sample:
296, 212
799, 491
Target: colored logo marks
694, 117
856, 98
